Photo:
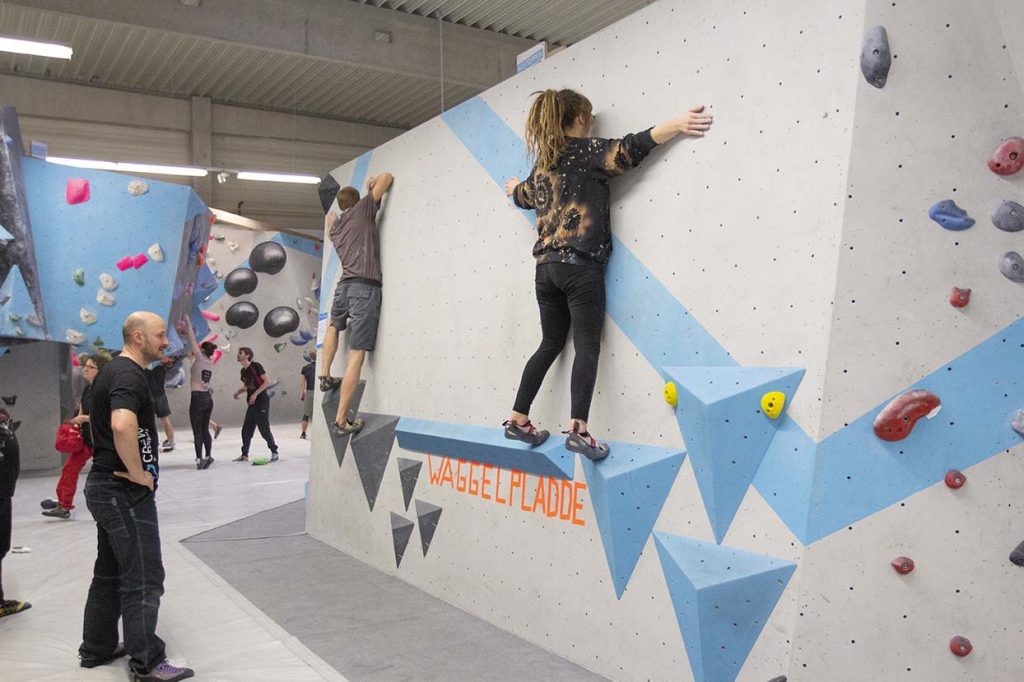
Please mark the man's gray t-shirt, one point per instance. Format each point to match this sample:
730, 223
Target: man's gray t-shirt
355, 238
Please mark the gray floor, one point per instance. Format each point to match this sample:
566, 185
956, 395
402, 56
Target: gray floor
365, 624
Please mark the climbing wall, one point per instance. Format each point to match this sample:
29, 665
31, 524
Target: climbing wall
779, 283
259, 291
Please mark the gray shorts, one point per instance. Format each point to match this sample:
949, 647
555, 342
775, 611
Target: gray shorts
357, 304
307, 405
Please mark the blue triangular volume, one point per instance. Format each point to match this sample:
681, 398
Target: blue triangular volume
628, 490
726, 434
722, 598
15, 299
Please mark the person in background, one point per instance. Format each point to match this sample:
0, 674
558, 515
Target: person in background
73, 465
255, 383
157, 379
306, 390
10, 467
201, 406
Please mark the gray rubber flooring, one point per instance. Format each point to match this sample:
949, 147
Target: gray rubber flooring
366, 624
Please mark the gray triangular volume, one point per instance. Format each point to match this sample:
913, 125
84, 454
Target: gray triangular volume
330, 405
427, 514
401, 531
371, 448
409, 472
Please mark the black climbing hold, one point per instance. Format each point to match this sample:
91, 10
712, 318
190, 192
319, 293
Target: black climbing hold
427, 514
875, 58
1009, 216
1012, 266
408, 472
10, 400
328, 190
241, 281
268, 257
371, 449
1017, 555
280, 321
242, 315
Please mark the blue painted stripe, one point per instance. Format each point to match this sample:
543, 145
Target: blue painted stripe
359, 172
806, 484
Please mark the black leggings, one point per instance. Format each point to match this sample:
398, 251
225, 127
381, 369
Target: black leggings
199, 412
568, 296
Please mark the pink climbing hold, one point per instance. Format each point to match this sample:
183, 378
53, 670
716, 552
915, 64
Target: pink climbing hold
77, 191
960, 297
212, 337
897, 419
216, 356
139, 260
212, 317
125, 263
1008, 158
960, 646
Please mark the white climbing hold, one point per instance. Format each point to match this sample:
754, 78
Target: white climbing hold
18, 331
156, 253
34, 321
75, 338
232, 245
87, 316
218, 237
104, 297
210, 261
108, 282
219, 275
138, 187
14, 317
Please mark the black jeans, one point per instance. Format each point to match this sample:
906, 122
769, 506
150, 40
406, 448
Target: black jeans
258, 416
199, 412
10, 468
569, 296
128, 578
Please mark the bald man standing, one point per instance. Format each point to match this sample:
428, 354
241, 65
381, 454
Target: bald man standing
128, 577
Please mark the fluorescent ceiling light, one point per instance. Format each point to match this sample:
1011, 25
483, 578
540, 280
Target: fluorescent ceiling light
35, 47
279, 177
129, 167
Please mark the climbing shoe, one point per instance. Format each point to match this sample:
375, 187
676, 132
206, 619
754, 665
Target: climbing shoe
526, 433
329, 383
348, 428
585, 444
9, 607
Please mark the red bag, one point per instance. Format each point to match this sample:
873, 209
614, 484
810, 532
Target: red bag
69, 438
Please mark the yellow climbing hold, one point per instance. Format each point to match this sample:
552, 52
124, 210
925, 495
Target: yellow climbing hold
772, 404
670, 394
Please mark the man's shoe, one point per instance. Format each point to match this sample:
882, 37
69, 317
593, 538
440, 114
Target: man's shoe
348, 428
165, 672
48, 503
241, 458
91, 662
9, 607
199, 464
527, 433
329, 383
216, 431
167, 446
58, 512
273, 457
207, 462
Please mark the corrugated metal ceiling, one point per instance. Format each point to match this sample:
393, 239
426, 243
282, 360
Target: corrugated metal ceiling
140, 59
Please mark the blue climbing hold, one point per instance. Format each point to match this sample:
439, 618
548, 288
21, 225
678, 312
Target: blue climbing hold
950, 216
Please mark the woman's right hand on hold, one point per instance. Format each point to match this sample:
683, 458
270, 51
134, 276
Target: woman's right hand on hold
693, 122
510, 185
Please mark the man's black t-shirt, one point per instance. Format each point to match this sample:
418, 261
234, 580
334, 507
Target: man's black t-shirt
123, 385
251, 378
157, 376
86, 403
309, 371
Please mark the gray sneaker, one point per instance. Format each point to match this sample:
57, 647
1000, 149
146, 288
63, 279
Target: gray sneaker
57, 512
586, 445
164, 672
527, 433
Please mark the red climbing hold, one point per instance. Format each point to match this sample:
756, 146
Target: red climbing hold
1008, 158
903, 564
212, 317
960, 297
960, 646
77, 191
898, 418
955, 479
124, 263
